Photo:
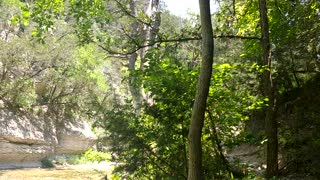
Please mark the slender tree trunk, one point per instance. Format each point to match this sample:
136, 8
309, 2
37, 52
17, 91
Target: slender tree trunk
149, 33
199, 106
152, 10
270, 120
134, 90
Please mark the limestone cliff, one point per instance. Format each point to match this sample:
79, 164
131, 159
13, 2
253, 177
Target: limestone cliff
25, 139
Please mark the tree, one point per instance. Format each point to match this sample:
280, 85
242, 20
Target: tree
199, 106
145, 34
163, 68
268, 90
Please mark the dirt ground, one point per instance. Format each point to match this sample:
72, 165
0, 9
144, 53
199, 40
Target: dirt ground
95, 171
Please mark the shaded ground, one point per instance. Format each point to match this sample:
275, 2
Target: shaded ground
93, 171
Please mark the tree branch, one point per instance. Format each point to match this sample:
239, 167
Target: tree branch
182, 39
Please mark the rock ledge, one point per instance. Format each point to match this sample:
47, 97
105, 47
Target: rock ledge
25, 141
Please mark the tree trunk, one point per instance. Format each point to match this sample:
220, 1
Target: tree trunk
134, 90
149, 33
270, 120
152, 10
199, 106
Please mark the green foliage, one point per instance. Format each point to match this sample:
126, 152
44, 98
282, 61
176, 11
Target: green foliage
152, 144
70, 83
86, 13
46, 163
92, 155
158, 134
17, 83
45, 13
293, 32
89, 59
243, 17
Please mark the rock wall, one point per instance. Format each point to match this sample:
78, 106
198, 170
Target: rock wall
26, 140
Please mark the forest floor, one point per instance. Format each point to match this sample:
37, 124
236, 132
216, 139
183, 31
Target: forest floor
94, 171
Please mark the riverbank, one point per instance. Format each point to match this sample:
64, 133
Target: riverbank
94, 171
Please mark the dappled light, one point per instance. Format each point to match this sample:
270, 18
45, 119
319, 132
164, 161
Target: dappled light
141, 89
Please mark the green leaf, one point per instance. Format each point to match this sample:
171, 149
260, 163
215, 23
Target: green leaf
15, 20
25, 22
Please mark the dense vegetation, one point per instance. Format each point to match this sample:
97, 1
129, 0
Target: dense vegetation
131, 68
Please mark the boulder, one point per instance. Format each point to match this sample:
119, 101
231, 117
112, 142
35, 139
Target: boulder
25, 140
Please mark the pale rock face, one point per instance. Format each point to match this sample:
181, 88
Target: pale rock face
20, 129
75, 138
12, 152
25, 141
